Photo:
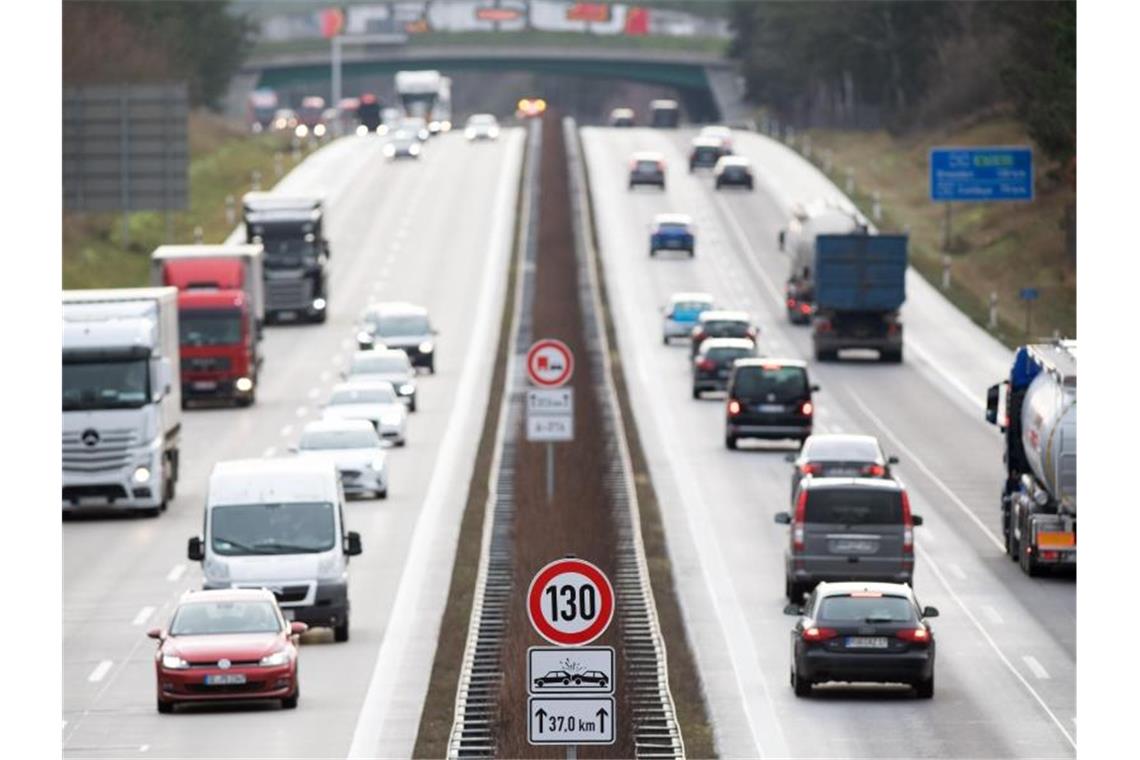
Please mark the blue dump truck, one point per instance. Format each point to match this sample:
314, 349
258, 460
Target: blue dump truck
860, 283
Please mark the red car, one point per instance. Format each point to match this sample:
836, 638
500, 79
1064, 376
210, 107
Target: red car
225, 644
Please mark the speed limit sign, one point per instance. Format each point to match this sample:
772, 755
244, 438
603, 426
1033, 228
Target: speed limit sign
570, 602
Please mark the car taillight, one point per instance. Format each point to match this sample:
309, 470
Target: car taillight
706, 364
661, 166
908, 526
811, 468
698, 335
752, 332
791, 303
805, 308
815, 634
734, 407
798, 522
806, 408
875, 470
919, 635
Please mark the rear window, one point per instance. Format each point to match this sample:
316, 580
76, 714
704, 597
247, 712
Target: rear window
726, 328
784, 383
647, 166
691, 306
866, 609
672, 227
854, 506
728, 354
838, 451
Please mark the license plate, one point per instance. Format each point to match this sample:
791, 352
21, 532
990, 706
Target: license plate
673, 243
866, 642
843, 472
770, 408
288, 613
286, 315
205, 385
225, 679
852, 546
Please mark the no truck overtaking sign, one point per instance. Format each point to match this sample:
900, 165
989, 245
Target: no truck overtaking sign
549, 363
570, 602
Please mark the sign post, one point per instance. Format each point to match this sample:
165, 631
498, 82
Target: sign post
570, 603
550, 411
1029, 295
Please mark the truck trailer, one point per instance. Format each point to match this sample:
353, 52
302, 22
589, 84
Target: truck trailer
1036, 410
798, 239
291, 230
122, 399
426, 95
220, 311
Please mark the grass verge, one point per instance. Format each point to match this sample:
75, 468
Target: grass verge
997, 247
223, 158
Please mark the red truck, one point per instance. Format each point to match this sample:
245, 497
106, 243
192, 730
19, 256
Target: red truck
220, 311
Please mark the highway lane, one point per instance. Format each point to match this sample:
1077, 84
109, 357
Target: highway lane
423, 232
1006, 656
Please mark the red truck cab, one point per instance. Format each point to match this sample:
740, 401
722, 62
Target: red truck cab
218, 330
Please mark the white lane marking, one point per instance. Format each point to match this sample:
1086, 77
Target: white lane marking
992, 614
143, 616
176, 572
314, 392
746, 246
285, 431
65, 723
997, 650
958, 572
1034, 666
100, 670
302, 411
144, 747
913, 458
269, 452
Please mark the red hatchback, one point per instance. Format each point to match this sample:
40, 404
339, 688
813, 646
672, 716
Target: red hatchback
227, 644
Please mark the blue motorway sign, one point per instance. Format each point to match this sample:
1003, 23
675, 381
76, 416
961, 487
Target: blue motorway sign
1028, 294
981, 174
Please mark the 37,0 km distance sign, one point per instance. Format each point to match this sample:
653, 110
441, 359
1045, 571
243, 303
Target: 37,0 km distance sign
549, 363
570, 602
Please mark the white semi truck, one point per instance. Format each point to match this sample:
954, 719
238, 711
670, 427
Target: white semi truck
122, 398
426, 95
1036, 410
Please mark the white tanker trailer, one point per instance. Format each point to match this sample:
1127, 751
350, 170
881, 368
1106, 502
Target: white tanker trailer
1036, 409
808, 221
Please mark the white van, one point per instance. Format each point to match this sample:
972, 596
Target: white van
279, 524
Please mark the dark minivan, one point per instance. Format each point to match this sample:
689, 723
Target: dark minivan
768, 398
848, 529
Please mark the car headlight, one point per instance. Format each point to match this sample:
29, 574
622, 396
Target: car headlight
493, 132
319, 303
414, 150
407, 389
382, 129
445, 126
174, 662
426, 347
376, 464
469, 134
141, 475
319, 130
215, 570
361, 130
280, 657
364, 338
301, 130
243, 384
389, 150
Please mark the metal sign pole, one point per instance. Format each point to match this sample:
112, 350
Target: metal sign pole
336, 85
549, 473
571, 752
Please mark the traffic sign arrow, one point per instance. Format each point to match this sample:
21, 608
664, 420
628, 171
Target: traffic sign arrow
602, 719
541, 715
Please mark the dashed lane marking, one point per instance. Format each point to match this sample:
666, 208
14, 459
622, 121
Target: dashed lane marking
100, 671
1034, 666
176, 572
143, 616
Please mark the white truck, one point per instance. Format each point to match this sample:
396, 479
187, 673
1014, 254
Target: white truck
808, 222
1036, 410
122, 398
426, 95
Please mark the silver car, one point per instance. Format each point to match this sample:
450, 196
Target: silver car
374, 401
354, 449
388, 364
682, 313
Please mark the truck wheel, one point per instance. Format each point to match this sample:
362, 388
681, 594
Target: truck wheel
1028, 563
1011, 545
412, 406
340, 632
696, 393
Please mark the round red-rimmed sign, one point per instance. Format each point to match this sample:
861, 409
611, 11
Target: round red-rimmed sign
549, 363
570, 602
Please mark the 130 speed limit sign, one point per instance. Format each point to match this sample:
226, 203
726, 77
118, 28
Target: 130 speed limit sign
570, 602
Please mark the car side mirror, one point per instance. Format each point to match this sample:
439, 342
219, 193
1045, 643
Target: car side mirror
296, 627
156, 633
783, 518
993, 400
780, 238
352, 545
815, 389
793, 609
790, 458
916, 520
294, 449
892, 460
195, 550
928, 612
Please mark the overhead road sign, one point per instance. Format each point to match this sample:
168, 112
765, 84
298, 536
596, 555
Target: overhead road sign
570, 670
570, 720
549, 363
981, 174
570, 602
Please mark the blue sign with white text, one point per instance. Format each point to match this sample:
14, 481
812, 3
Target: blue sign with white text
981, 174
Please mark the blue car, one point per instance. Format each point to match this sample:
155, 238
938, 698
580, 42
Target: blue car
682, 313
672, 232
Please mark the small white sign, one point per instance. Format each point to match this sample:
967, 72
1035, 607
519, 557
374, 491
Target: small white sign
570, 670
549, 427
570, 720
559, 401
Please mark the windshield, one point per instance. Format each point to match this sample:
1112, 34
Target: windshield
781, 383
209, 328
726, 328
866, 609
284, 247
378, 365
388, 327
728, 355
105, 384
202, 618
340, 439
647, 166
854, 506
291, 528
380, 395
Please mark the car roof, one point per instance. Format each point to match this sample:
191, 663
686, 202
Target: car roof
842, 439
299, 479
847, 587
715, 128
396, 308
725, 314
672, 219
881, 484
361, 384
769, 361
648, 155
705, 141
734, 161
226, 595
678, 297
337, 426
372, 353
711, 343
622, 112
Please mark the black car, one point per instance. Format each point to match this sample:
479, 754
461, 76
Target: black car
647, 169
721, 323
400, 325
705, 152
713, 363
768, 398
733, 170
862, 632
839, 455
553, 677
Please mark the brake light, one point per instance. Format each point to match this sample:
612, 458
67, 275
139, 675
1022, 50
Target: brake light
811, 468
753, 332
908, 526
661, 166
920, 635
815, 634
875, 470
706, 364
893, 328
866, 594
791, 303
806, 409
805, 308
734, 407
699, 334
798, 522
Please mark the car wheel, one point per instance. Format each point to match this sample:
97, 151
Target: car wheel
164, 707
383, 494
717, 186
565, 681
692, 252
925, 689
412, 406
801, 686
340, 632
652, 252
822, 355
577, 681
290, 703
431, 367
630, 185
730, 442
665, 340
891, 357
696, 392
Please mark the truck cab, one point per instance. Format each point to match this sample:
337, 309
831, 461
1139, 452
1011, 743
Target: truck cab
218, 341
291, 230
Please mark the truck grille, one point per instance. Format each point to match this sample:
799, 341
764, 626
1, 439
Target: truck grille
288, 294
205, 364
111, 450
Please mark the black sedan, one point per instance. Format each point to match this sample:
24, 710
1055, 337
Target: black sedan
862, 632
837, 455
713, 363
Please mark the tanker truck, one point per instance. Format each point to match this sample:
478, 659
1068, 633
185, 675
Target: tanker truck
1036, 411
798, 240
